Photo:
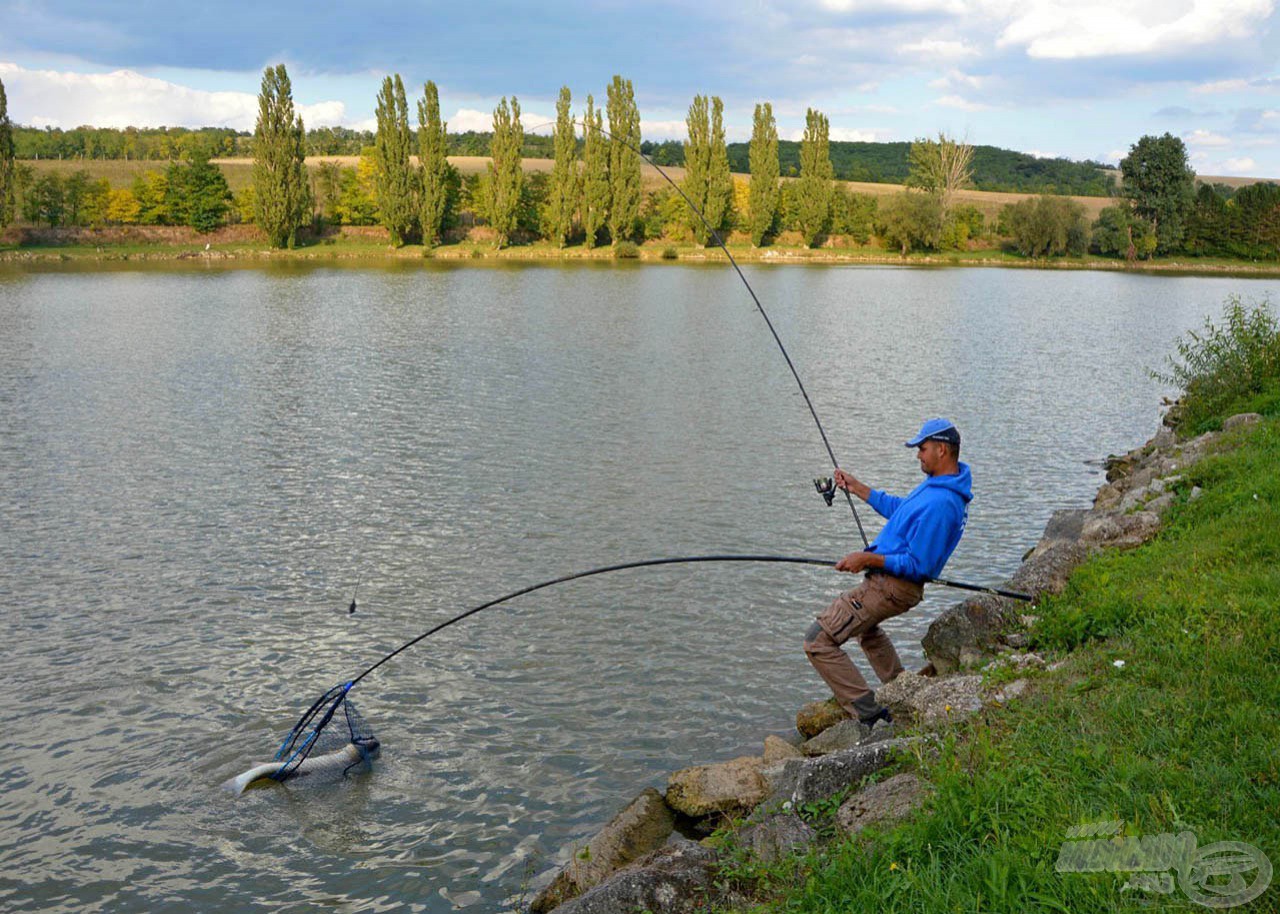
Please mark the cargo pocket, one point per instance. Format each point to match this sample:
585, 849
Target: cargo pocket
844, 618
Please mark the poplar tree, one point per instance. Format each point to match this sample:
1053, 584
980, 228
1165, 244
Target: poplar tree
394, 178
6, 162
624, 163
282, 195
813, 191
719, 180
763, 199
697, 163
595, 174
505, 174
434, 198
564, 174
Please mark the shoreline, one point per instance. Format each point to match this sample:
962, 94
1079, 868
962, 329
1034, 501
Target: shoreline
481, 254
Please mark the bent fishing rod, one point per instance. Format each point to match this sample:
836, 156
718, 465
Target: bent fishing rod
825, 489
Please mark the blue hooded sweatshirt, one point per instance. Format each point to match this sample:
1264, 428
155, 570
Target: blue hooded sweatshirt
923, 528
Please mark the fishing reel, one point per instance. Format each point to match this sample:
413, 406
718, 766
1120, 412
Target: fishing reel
826, 487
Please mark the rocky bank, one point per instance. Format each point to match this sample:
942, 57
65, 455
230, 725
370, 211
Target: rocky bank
654, 855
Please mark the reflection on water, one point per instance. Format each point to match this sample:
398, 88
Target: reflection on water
197, 466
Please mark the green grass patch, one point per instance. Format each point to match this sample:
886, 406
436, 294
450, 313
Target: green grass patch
1182, 736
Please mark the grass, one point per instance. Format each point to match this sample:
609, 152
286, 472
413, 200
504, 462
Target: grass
1183, 736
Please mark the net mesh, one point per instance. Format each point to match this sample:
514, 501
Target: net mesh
327, 726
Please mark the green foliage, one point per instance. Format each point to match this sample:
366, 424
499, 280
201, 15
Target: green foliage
853, 214
813, 192
1047, 226
1254, 222
196, 193
1161, 184
670, 253
437, 174
940, 167
626, 250
8, 190
282, 194
395, 181
506, 176
763, 160
1220, 367
151, 191
563, 196
697, 167
531, 215
624, 164
1120, 232
911, 221
719, 182
595, 174
45, 201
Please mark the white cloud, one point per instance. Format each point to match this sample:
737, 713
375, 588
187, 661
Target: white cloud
124, 98
958, 78
1221, 85
954, 7
937, 49
1049, 29
1205, 138
1041, 154
1241, 166
963, 104
844, 134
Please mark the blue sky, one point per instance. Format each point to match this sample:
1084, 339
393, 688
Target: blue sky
1082, 80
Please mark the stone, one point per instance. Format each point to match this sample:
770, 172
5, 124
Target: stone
676, 879
1164, 439
1108, 497
966, 632
1010, 691
1196, 492
777, 837
644, 826
816, 716
1240, 420
882, 804
1064, 525
777, 749
1017, 640
1161, 503
1048, 572
727, 788
1121, 531
801, 781
844, 735
932, 701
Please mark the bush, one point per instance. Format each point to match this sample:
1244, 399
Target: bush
1047, 226
1120, 232
911, 220
1222, 368
670, 253
626, 250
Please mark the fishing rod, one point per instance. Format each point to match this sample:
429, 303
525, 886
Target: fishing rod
825, 486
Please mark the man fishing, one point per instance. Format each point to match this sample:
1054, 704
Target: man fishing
920, 533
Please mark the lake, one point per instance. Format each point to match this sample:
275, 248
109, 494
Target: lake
197, 467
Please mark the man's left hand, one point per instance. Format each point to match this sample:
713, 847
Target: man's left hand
860, 561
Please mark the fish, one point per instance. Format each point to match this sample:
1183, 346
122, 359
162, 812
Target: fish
335, 763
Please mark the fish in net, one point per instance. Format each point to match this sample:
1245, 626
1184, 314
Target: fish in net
331, 737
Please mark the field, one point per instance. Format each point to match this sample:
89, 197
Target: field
239, 173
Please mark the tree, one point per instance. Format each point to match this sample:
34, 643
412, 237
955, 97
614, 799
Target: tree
45, 201
909, 221
595, 174
7, 177
196, 193
563, 193
1257, 216
433, 140
395, 183
1119, 232
764, 174
697, 165
814, 191
1046, 226
282, 196
1161, 184
505, 172
942, 167
624, 164
719, 180
1208, 224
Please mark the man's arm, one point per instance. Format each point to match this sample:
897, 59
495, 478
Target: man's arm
883, 503
860, 561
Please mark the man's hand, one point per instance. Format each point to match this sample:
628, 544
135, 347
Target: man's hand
860, 561
850, 483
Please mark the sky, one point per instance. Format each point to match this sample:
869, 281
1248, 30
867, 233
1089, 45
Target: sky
1083, 80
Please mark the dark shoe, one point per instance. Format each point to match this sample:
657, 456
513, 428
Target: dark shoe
883, 714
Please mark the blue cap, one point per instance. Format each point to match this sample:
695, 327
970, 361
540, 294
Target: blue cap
936, 430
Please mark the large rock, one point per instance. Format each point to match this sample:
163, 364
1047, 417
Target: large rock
817, 716
932, 701
727, 788
1121, 531
1239, 420
844, 735
777, 749
677, 879
777, 837
800, 781
1047, 571
1065, 526
967, 633
642, 827
882, 804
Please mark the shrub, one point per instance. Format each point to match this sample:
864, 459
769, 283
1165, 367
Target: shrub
1046, 226
670, 253
911, 221
625, 250
1221, 368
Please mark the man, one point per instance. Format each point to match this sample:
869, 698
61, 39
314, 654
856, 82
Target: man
920, 533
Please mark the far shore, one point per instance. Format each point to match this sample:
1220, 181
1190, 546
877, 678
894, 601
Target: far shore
241, 245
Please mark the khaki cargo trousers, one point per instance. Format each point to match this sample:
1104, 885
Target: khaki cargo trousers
857, 613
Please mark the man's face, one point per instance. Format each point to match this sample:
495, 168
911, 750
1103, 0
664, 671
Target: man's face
932, 456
